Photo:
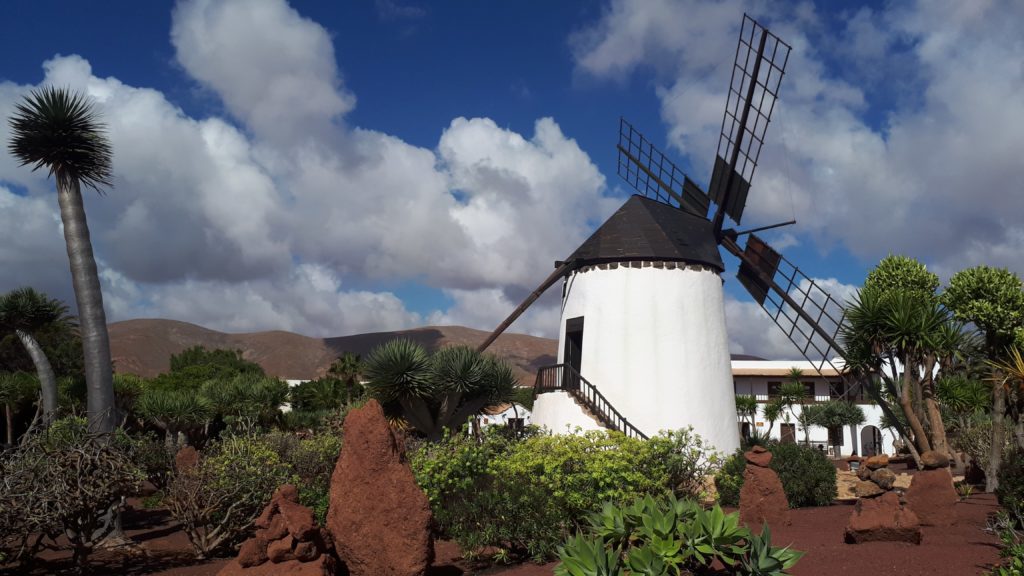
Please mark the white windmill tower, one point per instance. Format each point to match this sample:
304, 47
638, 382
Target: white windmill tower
642, 337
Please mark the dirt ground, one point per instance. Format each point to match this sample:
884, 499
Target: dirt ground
965, 549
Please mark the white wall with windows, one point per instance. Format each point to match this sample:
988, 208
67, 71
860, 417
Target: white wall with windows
762, 378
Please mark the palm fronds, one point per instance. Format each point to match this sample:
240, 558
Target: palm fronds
60, 130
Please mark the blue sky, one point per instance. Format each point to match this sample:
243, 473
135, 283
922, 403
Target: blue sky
332, 168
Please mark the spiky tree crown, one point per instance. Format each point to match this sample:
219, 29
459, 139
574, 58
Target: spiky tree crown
60, 130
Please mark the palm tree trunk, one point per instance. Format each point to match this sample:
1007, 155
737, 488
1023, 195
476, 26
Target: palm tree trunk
920, 437
938, 427
89, 298
47, 380
995, 458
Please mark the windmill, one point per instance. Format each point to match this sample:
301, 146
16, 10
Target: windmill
646, 287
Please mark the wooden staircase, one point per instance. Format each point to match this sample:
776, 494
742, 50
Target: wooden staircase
565, 377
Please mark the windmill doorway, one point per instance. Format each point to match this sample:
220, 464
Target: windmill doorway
870, 441
572, 353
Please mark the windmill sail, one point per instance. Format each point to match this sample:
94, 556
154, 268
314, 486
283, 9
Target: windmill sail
653, 175
809, 316
761, 59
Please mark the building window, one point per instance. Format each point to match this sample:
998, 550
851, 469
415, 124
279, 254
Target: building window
773, 389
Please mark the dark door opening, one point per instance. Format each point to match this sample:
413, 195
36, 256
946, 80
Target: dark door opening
573, 351
788, 433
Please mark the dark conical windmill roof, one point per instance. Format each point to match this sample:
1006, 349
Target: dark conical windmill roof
645, 229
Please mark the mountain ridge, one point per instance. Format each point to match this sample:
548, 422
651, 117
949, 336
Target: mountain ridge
144, 346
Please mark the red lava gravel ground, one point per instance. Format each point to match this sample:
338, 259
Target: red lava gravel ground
965, 549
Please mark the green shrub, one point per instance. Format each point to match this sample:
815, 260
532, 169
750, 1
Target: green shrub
687, 458
1006, 524
312, 461
154, 458
807, 476
668, 536
525, 496
217, 500
1011, 482
729, 479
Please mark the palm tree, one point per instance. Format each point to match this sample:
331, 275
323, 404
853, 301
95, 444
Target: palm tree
60, 130
746, 408
23, 312
439, 391
773, 411
347, 368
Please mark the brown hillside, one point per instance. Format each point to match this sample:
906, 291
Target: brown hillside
144, 347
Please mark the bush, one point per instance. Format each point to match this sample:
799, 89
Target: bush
63, 482
217, 500
668, 536
312, 462
688, 461
154, 458
729, 479
1006, 524
525, 496
807, 476
1011, 482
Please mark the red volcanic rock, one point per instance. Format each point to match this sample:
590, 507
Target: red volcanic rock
762, 498
882, 520
277, 528
252, 553
378, 518
933, 459
305, 551
287, 542
876, 462
758, 456
932, 497
867, 489
298, 519
280, 551
323, 566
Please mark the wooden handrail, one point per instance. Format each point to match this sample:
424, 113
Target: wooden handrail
565, 377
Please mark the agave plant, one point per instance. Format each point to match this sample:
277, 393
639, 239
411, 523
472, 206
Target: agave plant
763, 559
583, 556
665, 536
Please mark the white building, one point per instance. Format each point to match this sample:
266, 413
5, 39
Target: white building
512, 414
762, 378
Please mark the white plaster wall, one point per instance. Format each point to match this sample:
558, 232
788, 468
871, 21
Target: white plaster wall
558, 412
819, 435
654, 343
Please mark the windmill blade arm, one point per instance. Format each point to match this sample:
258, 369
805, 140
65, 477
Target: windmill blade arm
761, 59
760, 265
560, 271
654, 176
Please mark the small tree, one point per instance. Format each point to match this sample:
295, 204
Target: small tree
26, 312
993, 300
746, 409
836, 414
773, 411
348, 368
